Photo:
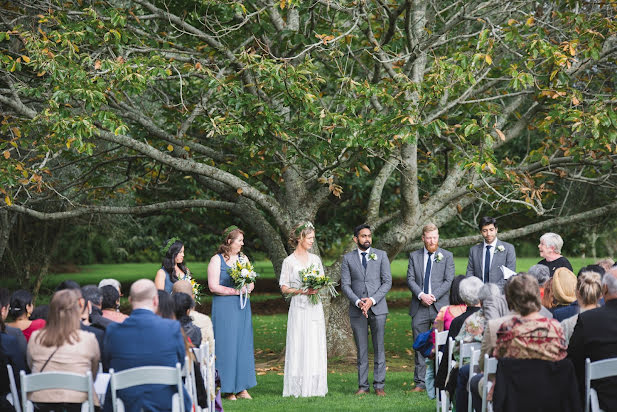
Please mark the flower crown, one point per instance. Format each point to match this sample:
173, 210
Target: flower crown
228, 230
307, 225
170, 242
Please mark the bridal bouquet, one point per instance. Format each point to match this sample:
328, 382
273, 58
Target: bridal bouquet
242, 274
313, 278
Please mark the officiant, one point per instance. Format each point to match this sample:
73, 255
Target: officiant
487, 258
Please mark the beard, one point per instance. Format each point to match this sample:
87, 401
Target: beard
364, 245
432, 248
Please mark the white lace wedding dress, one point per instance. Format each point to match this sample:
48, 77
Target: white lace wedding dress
306, 361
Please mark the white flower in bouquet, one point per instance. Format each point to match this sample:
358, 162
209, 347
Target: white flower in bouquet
245, 273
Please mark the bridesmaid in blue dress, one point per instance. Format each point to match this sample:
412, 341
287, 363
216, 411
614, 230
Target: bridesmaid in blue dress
173, 266
233, 326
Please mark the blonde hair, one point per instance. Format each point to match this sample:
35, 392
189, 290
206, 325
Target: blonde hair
63, 319
429, 227
296, 235
589, 287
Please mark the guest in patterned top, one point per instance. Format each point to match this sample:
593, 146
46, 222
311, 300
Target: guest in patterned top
528, 335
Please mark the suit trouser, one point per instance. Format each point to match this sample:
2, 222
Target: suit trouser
360, 325
420, 323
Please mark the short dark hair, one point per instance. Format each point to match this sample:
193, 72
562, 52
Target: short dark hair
592, 268
92, 293
19, 300
358, 228
523, 294
40, 312
485, 221
67, 284
110, 297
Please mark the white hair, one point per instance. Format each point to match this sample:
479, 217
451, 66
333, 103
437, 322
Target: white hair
469, 289
610, 281
541, 272
552, 240
110, 282
488, 291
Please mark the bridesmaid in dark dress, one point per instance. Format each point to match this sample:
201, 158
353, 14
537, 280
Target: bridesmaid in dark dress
173, 267
233, 326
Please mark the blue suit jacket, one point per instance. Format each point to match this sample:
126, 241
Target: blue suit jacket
144, 339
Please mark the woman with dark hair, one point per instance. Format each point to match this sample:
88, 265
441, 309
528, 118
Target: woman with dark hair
183, 304
110, 304
233, 325
173, 267
457, 306
63, 347
21, 309
166, 308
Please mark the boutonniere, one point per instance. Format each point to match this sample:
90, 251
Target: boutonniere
500, 248
438, 257
372, 256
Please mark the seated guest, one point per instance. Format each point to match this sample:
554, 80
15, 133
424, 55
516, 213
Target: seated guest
111, 282
183, 304
588, 292
542, 275
10, 354
472, 331
469, 290
550, 249
21, 308
457, 306
40, 312
592, 268
84, 313
203, 322
563, 288
528, 334
5, 304
595, 337
110, 304
92, 294
167, 307
145, 339
61, 346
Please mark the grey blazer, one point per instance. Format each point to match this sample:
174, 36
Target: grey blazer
374, 282
442, 274
506, 258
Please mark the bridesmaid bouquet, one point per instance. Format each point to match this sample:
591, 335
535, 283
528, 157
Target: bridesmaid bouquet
242, 274
196, 286
312, 278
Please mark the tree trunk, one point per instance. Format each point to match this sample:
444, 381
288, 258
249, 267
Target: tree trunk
338, 327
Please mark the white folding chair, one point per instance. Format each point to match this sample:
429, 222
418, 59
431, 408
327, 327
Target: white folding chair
466, 350
147, 375
490, 367
597, 370
445, 396
188, 373
475, 360
440, 339
212, 374
202, 355
56, 380
14, 395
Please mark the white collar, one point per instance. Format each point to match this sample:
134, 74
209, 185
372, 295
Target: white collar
426, 251
367, 251
494, 244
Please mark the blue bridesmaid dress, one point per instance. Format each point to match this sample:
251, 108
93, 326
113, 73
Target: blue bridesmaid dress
233, 332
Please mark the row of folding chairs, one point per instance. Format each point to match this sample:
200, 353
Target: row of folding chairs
145, 375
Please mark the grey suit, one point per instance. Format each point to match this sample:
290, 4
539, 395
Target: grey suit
357, 283
506, 258
422, 317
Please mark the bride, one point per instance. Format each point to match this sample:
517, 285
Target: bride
305, 354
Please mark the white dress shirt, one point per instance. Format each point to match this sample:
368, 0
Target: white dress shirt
368, 253
492, 250
425, 260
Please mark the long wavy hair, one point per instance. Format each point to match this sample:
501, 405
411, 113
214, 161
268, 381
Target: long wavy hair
225, 247
63, 320
169, 261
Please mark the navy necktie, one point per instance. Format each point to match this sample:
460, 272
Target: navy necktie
427, 273
364, 262
487, 263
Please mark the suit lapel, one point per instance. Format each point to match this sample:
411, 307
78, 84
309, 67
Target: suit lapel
496, 256
479, 257
359, 262
420, 264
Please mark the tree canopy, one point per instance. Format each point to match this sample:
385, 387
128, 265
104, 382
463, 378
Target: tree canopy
397, 112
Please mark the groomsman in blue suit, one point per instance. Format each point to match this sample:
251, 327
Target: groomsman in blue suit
365, 280
144, 339
429, 275
487, 258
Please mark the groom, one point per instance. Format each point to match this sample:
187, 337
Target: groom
365, 280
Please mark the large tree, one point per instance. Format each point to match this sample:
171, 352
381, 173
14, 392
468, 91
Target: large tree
408, 111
